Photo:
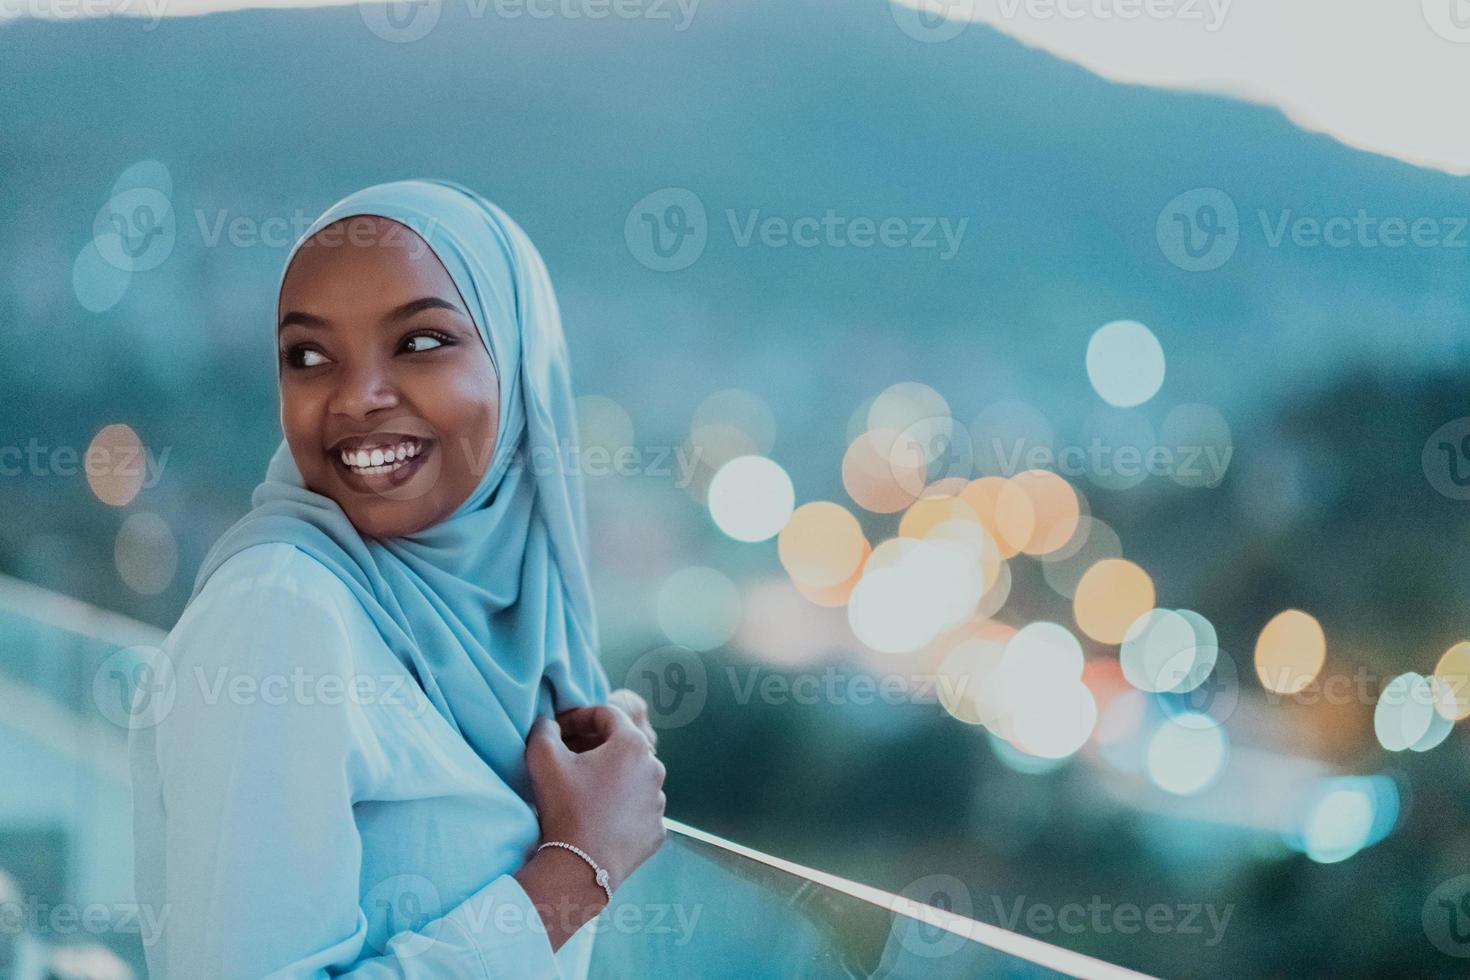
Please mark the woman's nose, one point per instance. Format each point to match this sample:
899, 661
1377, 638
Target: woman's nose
365, 389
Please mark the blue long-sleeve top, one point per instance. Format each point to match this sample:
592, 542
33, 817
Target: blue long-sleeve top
301, 810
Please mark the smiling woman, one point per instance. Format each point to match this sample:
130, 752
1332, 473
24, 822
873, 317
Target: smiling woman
482, 772
380, 362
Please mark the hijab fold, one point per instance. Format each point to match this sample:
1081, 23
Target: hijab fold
491, 609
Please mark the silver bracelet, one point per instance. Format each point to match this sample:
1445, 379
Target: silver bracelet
600, 874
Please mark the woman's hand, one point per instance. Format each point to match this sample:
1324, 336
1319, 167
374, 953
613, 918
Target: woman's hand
608, 798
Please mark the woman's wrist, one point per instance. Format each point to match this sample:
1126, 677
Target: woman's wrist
564, 890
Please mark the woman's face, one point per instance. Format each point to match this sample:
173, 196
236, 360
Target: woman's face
389, 401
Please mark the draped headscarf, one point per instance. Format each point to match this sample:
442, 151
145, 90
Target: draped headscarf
491, 609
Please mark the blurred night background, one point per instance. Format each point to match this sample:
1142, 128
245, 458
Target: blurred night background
928, 621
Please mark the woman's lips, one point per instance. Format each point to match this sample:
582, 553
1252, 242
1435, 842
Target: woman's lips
375, 465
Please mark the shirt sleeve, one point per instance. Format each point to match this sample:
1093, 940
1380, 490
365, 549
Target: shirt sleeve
244, 795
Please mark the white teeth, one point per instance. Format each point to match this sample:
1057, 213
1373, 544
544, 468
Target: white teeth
383, 459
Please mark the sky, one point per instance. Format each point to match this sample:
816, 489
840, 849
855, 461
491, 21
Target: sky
1386, 76
1382, 76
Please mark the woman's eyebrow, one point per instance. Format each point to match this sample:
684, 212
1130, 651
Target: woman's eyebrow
419, 305
304, 319
401, 312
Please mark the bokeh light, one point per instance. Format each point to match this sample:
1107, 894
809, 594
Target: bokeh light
1345, 814
1290, 651
114, 464
699, 607
822, 545
1125, 363
1413, 712
1186, 754
1170, 650
1200, 444
1110, 597
604, 424
1004, 509
1403, 712
875, 478
1453, 671
146, 554
1092, 542
1055, 509
751, 498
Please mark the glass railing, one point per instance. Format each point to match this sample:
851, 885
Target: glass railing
701, 907
706, 907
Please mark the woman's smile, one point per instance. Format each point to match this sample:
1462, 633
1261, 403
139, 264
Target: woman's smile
380, 461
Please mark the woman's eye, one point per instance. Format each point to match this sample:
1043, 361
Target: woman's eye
304, 357
419, 342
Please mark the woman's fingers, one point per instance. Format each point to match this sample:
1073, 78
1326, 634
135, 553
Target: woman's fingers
637, 709
588, 727
544, 748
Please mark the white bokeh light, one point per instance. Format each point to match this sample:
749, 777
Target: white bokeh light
1186, 754
1125, 363
751, 498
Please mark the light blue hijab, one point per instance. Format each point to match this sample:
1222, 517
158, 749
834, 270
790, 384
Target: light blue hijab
491, 608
